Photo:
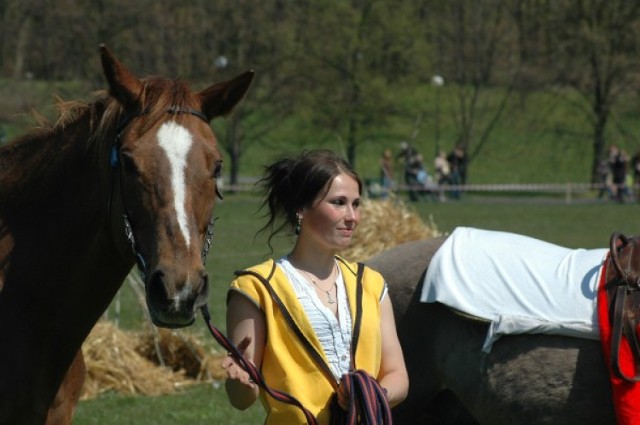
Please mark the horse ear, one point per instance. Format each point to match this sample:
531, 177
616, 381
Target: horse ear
124, 86
220, 98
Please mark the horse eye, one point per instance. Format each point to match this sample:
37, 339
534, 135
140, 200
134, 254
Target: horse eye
217, 171
128, 163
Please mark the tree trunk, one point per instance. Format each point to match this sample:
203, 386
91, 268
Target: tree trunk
234, 148
21, 45
598, 141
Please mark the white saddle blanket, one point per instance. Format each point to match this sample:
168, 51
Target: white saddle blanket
519, 284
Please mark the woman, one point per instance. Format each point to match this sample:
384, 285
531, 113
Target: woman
318, 195
386, 173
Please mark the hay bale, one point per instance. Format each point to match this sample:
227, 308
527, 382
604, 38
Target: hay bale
113, 364
181, 352
145, 363
385, 224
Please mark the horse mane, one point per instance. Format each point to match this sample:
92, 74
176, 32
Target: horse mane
27, 155
157, 96
104, 112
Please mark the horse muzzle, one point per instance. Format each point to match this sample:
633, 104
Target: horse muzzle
173, 303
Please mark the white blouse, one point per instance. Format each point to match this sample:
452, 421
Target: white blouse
333, 333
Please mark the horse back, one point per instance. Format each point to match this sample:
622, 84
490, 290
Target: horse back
403, 268
542, 379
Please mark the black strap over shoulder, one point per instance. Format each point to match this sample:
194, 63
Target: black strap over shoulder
358, 320
369, 404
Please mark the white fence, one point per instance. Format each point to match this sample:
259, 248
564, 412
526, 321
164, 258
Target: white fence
570, 190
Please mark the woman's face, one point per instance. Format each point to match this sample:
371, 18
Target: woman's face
332, 219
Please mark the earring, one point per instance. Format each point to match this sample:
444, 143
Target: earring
296, 229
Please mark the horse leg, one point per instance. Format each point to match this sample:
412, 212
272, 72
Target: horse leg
64, 405
433, 339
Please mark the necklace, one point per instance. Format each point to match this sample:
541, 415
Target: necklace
330, 298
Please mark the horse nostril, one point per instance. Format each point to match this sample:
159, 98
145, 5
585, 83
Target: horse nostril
156, 289
203, 291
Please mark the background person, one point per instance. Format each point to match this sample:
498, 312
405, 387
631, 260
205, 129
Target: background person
386, 173
618, 161
458, 169
318, 195
442, 171
635, 171
408, 155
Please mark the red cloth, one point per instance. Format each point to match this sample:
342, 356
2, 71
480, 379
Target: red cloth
626, 395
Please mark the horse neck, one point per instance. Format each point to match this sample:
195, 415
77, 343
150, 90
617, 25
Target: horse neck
62, 261
59, 266
55, 178
54, 202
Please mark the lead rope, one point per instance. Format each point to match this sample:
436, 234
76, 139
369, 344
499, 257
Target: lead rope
250, 368
368, 404
246, 365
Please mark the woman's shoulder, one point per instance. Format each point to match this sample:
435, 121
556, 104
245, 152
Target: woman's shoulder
263, 269
370, 276
250, 281
253, 274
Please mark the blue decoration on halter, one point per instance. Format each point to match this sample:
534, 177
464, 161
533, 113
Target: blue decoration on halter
114, 157
142, 266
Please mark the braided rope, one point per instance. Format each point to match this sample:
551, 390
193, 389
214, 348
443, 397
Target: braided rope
368, 404
253, 372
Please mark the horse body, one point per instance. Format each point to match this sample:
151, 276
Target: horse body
60, 275
64, 248
542, 379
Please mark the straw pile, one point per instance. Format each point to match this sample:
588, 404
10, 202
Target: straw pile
182, 353
127, 363
385, 224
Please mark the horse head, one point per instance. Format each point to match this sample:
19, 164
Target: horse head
166, 163
625, 257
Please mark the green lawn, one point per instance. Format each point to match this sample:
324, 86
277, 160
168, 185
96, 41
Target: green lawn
587, 225
200, 404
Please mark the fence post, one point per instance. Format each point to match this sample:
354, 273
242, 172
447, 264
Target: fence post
568, 194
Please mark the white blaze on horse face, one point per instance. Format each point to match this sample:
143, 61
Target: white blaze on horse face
176, 142
182, 295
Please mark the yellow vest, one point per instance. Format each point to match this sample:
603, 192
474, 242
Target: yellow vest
286, 364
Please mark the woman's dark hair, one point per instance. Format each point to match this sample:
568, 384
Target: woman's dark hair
293, 183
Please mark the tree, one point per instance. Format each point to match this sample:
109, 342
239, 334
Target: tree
475, 42
257, 35
598, 57
354, 53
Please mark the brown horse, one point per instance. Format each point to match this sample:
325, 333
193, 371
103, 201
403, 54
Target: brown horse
128, 178
525, 379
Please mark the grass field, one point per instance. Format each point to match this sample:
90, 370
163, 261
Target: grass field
586, 225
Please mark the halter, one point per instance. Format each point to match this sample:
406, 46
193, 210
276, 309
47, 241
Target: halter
627, 275
623, 299
115, 161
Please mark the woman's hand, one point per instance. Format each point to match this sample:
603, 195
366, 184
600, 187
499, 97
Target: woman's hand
245, 328
233, 368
